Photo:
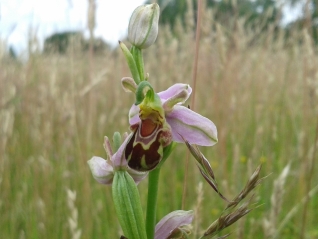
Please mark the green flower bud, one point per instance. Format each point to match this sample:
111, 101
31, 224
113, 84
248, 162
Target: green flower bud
143, 25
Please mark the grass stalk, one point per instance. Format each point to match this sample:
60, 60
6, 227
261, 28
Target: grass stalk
309, 178
194, 81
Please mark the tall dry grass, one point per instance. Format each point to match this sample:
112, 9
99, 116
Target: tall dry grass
261, 94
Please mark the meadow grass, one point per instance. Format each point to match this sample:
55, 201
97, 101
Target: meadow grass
261, 94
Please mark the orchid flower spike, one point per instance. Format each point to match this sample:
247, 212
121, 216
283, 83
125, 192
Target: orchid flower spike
103, 170
158, 119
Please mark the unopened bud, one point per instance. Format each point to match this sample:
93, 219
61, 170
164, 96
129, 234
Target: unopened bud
143, 25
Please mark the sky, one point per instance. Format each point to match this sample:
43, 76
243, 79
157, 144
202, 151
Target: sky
43, 17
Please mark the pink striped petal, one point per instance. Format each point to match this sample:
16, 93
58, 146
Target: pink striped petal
188, 125
171, 222
174, 90
102, 171
134, 115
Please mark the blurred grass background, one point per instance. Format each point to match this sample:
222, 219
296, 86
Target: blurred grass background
261, 94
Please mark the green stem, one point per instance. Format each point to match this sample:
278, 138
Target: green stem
153, 184
137, 54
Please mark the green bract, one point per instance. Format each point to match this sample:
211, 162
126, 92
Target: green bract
128, 207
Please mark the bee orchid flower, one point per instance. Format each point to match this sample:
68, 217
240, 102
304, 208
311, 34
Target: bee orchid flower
158, 119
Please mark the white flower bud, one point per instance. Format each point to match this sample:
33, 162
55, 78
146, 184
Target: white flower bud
143, 25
